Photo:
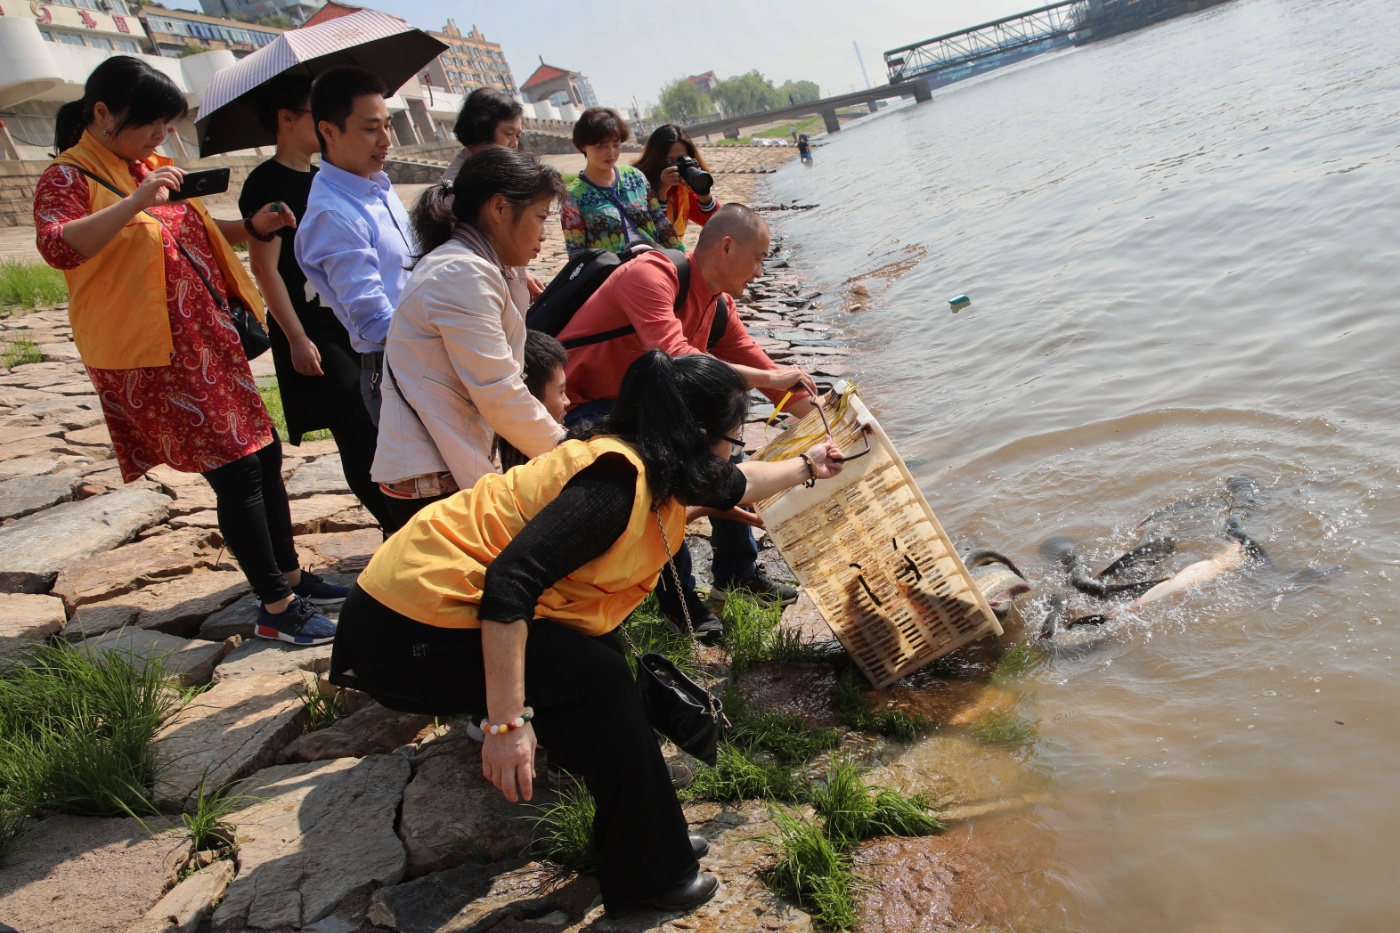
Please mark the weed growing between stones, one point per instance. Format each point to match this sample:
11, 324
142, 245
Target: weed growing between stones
20, 353
813, 872
854, 711
650, 632
1003, 727
207, 824
563, 831
745, 774
854, 811
753, 632
76, 734
29, 285
324, 705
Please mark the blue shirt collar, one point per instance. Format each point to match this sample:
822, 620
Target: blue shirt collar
357, 186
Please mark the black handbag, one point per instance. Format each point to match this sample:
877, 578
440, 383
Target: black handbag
251, 332
678, 707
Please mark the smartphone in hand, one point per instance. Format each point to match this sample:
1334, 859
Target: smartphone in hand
201, 184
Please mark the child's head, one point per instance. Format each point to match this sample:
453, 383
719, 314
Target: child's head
545, 359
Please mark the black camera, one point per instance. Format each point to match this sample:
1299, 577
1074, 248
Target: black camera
699, 180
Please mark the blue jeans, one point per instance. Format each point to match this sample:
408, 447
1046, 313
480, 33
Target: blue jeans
735, 550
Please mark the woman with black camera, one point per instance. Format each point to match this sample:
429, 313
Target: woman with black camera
507, 598
154, 284
678, 174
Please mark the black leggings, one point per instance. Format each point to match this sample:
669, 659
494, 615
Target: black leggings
587, 713
256, 520
357, 445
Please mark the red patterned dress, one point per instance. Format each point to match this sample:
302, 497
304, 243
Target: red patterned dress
203, 410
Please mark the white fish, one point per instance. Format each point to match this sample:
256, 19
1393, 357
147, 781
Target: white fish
1203, 571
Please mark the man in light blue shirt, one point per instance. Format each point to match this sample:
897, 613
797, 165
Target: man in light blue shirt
356, 243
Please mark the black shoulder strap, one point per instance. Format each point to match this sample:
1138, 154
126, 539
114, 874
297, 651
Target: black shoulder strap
721, 322
682, 264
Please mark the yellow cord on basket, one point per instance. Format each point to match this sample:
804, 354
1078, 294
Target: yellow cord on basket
778, 409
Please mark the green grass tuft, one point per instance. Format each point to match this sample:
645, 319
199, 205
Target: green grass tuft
20, 353
563, 831
1019, 660
745, 774
753, 632
324, 705
30, 285
207, 825
854, 811
1004, 727
853, 709
651, 632
813, 872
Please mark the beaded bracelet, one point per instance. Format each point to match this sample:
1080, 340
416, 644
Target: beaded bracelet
811, 471
502, 728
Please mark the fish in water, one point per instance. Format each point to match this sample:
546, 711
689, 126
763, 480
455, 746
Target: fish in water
1242, 551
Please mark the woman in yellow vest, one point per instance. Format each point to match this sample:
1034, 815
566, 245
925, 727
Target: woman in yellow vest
150, 283
506, 598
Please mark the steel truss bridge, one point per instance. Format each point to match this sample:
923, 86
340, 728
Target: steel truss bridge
967, 52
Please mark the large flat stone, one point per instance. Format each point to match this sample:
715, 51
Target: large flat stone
450, 812
177, 606
28, 466
345, 551
473, 898
228, 732
319, 833
95, 436
32, 447
264, 656
189, 902
133, 566
26, 619
190, 663
79, 873
25, 495
371, 730
322, 476
35, 548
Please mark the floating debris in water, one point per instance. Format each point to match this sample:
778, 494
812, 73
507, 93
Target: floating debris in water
958, 302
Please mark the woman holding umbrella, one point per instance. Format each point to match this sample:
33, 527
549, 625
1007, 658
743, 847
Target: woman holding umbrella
318, 372
152, 282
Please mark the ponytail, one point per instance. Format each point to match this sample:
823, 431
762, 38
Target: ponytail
672, 411
68, 126
433, 219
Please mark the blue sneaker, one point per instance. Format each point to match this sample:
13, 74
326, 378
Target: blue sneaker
315, 590
300, 625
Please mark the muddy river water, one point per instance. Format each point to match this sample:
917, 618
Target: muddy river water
1183, 253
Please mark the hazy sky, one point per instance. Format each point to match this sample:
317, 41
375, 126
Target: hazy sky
628, 49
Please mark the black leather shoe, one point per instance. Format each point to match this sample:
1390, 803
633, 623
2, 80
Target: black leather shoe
699, 845
689, 895
708, 627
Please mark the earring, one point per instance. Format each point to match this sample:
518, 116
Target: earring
106, 132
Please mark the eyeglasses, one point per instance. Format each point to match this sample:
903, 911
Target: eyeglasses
736, 441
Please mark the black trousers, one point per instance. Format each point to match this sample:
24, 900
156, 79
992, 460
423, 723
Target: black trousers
587, 714
401, 511
356, 443
256, 520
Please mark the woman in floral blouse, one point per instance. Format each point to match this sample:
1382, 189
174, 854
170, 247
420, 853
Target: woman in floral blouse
609, 206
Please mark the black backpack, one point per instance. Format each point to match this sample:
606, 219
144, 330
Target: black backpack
584, 275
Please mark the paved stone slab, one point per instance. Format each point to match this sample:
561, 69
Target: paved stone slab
17, 396
320, 832
178, 606
473, 898
95, 436
321, 476
206, 519
25, 495
27, 619
78, 874
31, 447
136, 565
344, 551
191, 663
189, 902
450, 811
263, 656
29, 466
372, 730
35, 548
228, 732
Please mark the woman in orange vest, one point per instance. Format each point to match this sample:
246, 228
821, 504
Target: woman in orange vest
506, 598
151, 281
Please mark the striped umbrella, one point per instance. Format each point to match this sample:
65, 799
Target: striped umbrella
383, 44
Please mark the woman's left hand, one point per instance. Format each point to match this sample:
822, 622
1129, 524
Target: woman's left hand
533, 283
826, 458
508, 761
273, 217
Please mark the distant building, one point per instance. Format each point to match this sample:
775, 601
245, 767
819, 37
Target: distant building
298, 11
559, 86
109, 26
329, 11
470, 62
704, 83
174, 32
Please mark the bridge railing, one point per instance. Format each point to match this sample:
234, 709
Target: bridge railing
1058, 20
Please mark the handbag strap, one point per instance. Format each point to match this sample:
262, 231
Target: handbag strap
219, 300
715, 712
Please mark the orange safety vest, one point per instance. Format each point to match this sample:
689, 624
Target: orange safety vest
433, 570
116, 300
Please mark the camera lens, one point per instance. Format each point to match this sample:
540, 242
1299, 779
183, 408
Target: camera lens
699, 180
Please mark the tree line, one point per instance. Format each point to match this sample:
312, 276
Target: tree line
683, 101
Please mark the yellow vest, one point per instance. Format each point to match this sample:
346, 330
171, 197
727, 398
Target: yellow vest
434, 568
116, 300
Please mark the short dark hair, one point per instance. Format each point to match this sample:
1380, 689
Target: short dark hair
481, 111
600, 125
133, 91
284, 92
519, 176
333, 95
671, 410
653, 159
